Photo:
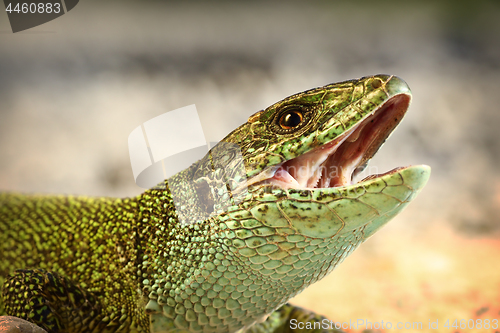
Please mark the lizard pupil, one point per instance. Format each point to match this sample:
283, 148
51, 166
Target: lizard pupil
290, 119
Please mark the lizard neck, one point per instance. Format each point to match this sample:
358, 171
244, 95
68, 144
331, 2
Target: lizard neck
246, 261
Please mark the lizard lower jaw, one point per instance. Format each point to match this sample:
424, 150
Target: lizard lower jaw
335, 164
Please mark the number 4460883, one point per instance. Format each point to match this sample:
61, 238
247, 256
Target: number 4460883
471, 323
33, 8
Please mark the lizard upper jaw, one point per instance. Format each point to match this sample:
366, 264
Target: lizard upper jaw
335, 163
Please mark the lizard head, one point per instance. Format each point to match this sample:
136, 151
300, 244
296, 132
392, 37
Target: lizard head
308, 148
284, 208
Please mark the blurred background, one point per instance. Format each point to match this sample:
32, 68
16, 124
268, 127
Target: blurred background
73, 89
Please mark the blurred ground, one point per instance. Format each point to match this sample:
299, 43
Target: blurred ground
73, 89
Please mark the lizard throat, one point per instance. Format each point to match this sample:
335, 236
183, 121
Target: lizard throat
337, 162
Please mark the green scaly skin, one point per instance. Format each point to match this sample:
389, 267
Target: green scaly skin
128, 265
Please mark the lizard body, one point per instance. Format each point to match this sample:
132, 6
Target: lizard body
222, 262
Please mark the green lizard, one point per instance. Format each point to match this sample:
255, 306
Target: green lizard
80, 264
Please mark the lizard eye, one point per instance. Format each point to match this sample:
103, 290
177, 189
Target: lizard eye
290, 119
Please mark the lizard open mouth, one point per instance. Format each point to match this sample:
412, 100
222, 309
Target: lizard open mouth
336, 163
